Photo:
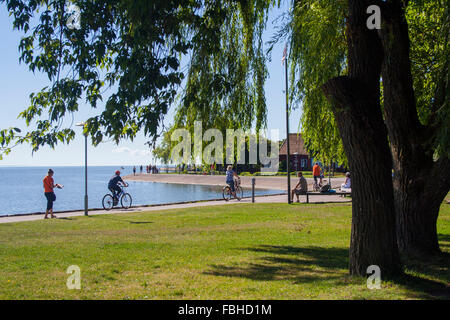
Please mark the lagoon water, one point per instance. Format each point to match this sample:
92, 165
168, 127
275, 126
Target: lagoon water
23, 192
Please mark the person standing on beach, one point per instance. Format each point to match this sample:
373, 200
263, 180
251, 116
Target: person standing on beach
49, 185
134, 170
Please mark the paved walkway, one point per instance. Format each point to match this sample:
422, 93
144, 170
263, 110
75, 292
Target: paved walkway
259, 199
261, 182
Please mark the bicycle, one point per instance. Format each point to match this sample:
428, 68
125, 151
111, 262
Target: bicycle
317, 185
239, 193
109, 202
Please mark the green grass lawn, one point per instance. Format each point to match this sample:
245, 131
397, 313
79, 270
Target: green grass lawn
242, 251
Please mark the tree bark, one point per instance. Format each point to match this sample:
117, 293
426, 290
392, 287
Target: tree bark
418, 198
420, 184
355, 101
373, 238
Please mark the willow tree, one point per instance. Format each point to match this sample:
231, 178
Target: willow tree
225, 86
312, 27
414, 99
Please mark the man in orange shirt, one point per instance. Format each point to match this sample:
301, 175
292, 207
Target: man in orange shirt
49, 185
316, 172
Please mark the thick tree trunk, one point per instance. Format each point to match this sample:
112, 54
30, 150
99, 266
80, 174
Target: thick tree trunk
355, 103
418, 200
358, 116
420, 184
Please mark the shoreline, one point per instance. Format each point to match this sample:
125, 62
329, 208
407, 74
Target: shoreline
261, 182
275, 183
132, 207
280, 198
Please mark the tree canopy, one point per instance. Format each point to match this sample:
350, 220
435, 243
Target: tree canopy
315, 24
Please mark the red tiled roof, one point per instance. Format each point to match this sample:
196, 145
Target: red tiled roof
296, 145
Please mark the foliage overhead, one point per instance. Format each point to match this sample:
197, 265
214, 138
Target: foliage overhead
225, 86
314, 25
126, 53
129, 55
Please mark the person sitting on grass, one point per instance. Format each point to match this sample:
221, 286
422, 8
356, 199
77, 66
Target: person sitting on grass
230, 179
113, 185
301, 187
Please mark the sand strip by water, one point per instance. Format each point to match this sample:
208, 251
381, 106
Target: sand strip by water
261, 182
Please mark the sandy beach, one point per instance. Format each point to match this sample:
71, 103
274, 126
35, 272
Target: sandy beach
261, 182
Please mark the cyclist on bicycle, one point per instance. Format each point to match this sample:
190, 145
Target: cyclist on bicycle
230, 179
114, 187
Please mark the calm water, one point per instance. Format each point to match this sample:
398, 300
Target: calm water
23, 191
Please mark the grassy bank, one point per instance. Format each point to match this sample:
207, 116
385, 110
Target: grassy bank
244, 251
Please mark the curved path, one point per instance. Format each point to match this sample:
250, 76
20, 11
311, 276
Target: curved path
261, 182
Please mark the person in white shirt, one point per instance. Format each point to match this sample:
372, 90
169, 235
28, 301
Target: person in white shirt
347, 184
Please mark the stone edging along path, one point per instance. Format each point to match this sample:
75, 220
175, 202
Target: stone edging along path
136, 206
280, 198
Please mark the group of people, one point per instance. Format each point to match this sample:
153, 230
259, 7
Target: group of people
115, 182
148, 169
114, 185
302, 186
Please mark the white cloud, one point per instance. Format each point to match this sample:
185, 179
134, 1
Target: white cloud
132, 152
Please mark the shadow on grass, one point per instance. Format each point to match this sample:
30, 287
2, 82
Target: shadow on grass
315, 264
110, 217
444, 241
424, 288
436, 268
297, 264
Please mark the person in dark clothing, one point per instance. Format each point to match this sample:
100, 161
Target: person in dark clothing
114, 185
231, 175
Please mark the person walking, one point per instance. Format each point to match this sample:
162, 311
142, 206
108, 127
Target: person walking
49, 185
134, 170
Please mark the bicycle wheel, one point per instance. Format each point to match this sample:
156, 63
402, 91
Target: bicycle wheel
315, 187
226, 193
239, 193
126, 200
107, 202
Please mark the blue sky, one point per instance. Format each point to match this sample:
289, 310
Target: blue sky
17, 83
